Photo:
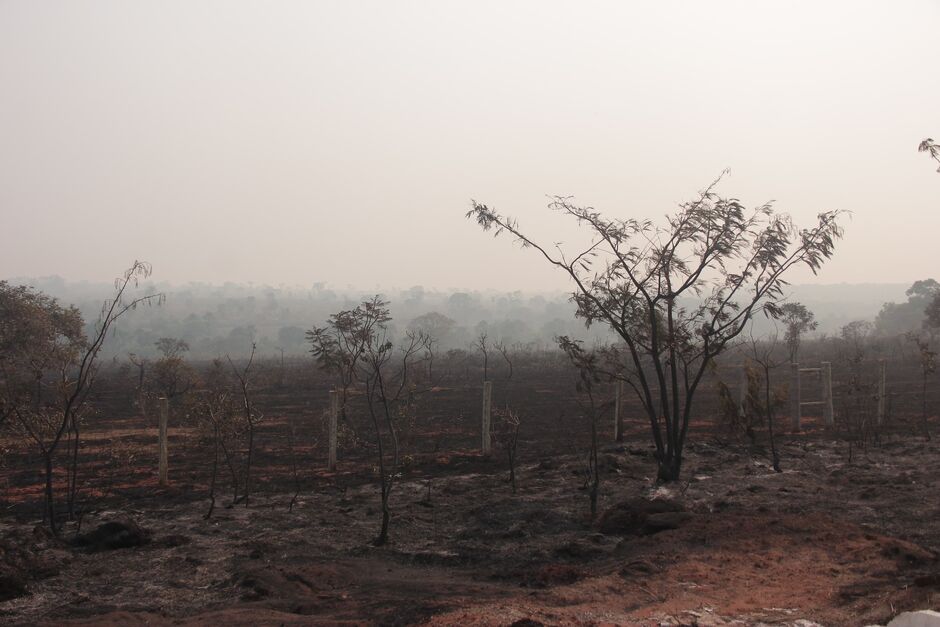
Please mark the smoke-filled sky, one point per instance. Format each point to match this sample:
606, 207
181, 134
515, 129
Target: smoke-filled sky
341, 142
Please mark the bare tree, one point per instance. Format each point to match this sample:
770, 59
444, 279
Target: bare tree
678, 294
433, 327
587, 364
139, 392
223, 419
171, 377
859, 389
508, 422
47, 341
764, 353
294, 470
480, 343
506, 353
214, 409
360, 337
251, 416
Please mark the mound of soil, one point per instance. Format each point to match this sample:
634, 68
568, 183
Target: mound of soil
115, 534
641, 516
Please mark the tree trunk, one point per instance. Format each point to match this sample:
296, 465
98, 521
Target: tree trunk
215, 472
386, 515
670, 465
73, 467
774, 456
923, 396
50, 503
251, 446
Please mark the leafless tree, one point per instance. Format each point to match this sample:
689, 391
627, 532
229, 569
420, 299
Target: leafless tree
295, 474
215, 409
508, 422
46, 340
588, 366
765, 354
223, 420
506, 353
432, 327
480, 343
139, 392
251, 416
859, 389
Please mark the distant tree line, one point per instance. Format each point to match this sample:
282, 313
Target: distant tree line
214, 320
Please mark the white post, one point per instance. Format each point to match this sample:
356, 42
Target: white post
881, 391
487, 404
618, 416
334, 417
742, 392
164, 415
828, 416
795, 408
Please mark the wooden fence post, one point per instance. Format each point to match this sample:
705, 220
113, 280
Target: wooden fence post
164, 447
487, 426
334, 418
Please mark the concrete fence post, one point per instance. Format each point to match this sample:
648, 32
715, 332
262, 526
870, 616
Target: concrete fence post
742, 392
828, 416
334, 419
487, 424
164, 446
795, 407
618, 412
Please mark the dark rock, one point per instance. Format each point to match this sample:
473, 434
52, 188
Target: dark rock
633, 517
113, 535
12, 583
665, 520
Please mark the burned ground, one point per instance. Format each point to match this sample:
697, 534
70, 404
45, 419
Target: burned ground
844, 535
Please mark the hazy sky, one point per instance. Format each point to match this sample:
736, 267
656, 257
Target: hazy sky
280, 142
